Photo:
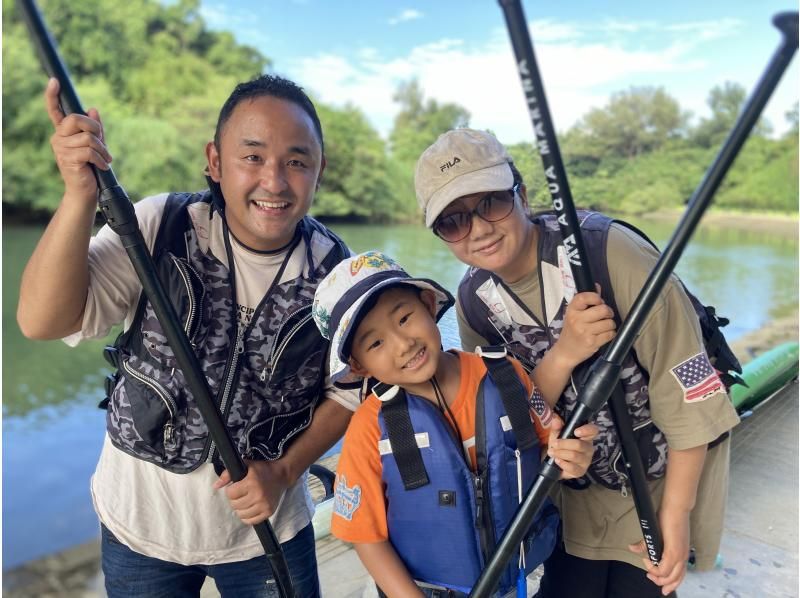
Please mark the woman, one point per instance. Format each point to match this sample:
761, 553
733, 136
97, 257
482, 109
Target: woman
519, 292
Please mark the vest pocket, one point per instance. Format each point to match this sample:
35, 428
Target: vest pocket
147, 414
298, 352
267, 438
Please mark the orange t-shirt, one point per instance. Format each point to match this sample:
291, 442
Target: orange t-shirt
359, 513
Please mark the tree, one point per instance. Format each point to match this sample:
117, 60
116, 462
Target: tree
636, 121
157, 73
792, 119
529, 163
355, 183
419, 123
726, 102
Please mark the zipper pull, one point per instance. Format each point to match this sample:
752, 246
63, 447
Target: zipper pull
169, 433
624, 491
478, 502
263, 375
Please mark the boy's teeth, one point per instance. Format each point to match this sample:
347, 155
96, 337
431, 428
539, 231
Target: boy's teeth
414, 360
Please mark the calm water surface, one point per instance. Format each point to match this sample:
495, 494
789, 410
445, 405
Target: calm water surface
52, 430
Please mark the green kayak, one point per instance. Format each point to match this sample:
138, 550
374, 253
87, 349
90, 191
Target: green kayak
764, 375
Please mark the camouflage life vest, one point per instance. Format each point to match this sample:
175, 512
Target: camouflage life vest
266, 378
494, 312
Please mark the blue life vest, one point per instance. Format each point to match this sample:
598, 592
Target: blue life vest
444, 520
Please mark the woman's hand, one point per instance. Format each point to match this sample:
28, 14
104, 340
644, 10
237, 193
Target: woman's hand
588, 325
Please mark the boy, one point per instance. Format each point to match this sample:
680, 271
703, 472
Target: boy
437, 457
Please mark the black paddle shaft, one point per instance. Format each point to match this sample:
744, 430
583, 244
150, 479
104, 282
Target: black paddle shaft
121, 217
605, 371
575, 251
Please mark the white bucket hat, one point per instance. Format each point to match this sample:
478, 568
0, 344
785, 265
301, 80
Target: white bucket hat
342, 293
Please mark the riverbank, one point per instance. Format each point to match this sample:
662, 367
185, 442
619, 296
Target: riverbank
75, 572
780, 224
778, 331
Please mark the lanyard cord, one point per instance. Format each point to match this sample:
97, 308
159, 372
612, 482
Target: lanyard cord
445, 408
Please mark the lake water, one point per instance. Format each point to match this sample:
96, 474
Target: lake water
52, 430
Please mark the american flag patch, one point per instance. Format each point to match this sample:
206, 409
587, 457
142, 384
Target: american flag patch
698, 378
542, 409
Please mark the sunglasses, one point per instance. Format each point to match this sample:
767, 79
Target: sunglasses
492, 207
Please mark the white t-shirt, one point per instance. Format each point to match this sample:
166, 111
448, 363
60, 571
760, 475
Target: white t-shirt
180, 517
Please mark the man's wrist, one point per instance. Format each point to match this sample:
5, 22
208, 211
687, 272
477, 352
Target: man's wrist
287, 470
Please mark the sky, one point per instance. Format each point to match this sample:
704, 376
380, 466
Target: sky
358, 52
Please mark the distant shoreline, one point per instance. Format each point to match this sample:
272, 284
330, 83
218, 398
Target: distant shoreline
784, 224
776, 223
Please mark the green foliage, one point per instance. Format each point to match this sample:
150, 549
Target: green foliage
726, 103
354, 183
419, 123
792, 119
416, 126
636, 121
159, 77
764, 176
157, 74
529, 164
636, 156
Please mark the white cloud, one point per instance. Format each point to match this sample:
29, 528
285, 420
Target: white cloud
408, 14
547, 30
708, 29
223, 18
580, 66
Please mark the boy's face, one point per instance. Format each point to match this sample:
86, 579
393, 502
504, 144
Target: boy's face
398, 341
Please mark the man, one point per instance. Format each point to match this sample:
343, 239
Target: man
240, 262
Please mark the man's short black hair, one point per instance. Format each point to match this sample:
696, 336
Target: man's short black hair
268, 86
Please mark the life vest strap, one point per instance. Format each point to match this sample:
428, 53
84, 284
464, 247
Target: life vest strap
406, 452
512, 393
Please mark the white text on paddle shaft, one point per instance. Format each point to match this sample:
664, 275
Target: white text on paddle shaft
533, 110
544, 150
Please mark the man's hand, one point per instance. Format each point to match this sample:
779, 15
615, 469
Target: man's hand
573, 455
255, 498
588, 325
77, 143
669, 573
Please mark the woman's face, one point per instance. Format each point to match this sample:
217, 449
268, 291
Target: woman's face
504, 247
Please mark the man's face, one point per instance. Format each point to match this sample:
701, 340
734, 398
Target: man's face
268, 165
501, 247
398, 341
